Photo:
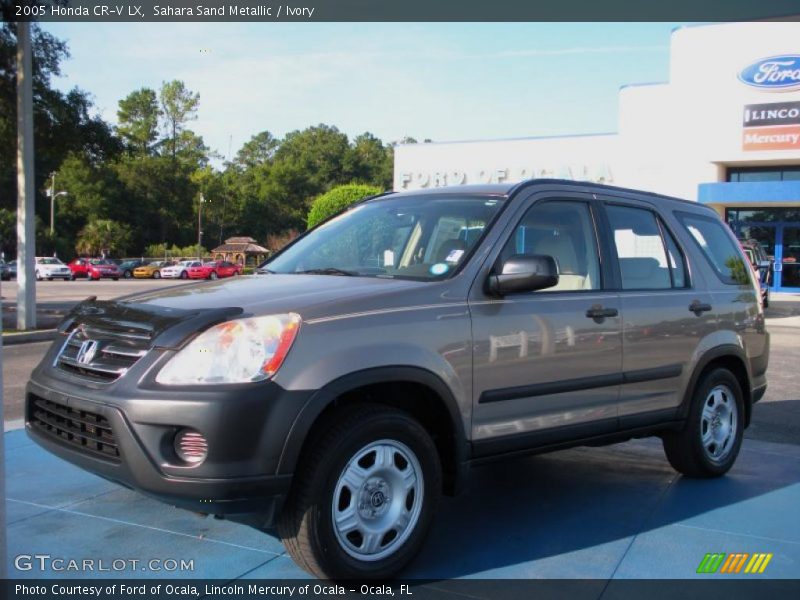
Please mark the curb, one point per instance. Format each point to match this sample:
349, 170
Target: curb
27, 337
782, 324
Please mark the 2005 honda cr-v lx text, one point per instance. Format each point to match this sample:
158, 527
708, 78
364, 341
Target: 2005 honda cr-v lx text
406, 339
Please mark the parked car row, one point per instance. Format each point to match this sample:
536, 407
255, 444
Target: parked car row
50, 268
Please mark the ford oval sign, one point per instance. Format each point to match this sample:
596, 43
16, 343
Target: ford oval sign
776, 73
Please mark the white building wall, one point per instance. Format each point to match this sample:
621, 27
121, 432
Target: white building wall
672, 136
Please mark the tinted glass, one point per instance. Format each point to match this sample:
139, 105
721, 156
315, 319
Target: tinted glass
716, 244
640, 249
565, 231
405, 237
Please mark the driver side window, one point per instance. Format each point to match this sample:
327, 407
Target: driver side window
564, 230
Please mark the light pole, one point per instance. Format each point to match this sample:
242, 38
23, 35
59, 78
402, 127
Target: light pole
200, 227
53, 195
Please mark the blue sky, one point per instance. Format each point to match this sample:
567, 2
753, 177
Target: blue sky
446, 82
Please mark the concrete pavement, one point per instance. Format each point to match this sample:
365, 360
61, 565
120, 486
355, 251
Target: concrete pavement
607, 513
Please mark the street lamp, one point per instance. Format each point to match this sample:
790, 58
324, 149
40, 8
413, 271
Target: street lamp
53, 195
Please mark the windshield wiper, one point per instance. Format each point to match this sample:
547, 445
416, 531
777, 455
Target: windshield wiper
327, 271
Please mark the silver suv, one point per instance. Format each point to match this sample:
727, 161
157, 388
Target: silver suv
403, 341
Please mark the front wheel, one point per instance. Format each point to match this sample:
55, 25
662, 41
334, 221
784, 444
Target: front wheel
127, 274
184, 275
364, 495
712, 436
157, 275
212, 275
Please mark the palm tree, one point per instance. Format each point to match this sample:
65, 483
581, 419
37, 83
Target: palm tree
103, 236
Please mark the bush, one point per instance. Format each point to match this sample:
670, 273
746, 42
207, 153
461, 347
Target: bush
162, 250
338, 199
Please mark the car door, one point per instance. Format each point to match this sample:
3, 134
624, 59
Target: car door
547, 364
666, 312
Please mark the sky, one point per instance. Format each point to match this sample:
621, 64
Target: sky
446, 82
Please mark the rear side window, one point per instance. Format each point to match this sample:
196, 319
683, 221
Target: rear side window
646, 260
718, 247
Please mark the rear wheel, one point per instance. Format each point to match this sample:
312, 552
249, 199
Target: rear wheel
363, 497
712, 436
184, 275
127, 274
156, 274
212, 275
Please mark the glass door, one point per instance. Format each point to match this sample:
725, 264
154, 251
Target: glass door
767, 236
789, 258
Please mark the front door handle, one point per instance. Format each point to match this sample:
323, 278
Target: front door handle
599, 313
698, 307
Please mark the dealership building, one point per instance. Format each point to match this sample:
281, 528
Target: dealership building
724, 131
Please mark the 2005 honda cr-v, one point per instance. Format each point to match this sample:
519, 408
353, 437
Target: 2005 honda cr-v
404, 340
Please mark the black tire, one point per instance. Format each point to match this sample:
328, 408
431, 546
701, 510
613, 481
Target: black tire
685, 449
49, 279
213, 275
115, 278
127, 274
156, 274
306, 523
184, 275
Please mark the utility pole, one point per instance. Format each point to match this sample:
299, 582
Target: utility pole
26, 234
200, 227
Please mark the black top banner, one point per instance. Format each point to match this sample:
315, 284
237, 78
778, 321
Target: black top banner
397, 10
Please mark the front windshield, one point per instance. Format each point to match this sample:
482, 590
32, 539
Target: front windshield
99, 261
50, 261
406, 237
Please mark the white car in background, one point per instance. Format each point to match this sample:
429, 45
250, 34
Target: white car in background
179, 271
49, 267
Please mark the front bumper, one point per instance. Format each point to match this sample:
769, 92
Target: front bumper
245, 426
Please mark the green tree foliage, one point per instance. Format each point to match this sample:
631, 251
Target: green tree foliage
147, 174
337, 200
63, 122
179, 106
103, 236
163, 251
138, 117
258, 150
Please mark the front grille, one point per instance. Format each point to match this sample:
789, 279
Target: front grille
102, 354
81, 429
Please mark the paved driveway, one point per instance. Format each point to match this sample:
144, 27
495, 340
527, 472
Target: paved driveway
614, 512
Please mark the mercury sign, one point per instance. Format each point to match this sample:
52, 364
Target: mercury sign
775, 73
450, 177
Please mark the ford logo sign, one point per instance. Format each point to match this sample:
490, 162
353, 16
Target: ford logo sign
776, 73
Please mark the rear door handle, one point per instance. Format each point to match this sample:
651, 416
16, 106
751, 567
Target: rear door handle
699, 307
598, 312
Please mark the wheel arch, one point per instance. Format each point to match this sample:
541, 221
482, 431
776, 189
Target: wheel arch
730, 357
438, 413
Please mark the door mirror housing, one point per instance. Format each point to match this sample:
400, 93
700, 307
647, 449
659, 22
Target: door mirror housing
524, 273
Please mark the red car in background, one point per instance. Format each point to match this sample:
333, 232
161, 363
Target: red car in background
94, 269
214, 270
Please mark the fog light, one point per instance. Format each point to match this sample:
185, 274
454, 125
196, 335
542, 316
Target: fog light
191, 446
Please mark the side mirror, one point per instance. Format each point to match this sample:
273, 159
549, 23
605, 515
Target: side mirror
524, 273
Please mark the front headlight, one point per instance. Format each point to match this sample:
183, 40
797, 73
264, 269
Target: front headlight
237, 351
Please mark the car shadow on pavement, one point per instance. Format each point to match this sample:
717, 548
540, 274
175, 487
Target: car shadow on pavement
575, 514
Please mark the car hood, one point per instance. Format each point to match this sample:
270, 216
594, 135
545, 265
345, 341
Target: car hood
311, 296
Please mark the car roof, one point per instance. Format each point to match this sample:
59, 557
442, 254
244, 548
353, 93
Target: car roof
507, 189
